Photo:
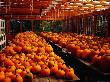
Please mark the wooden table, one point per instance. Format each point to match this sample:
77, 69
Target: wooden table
85, 70
53, 79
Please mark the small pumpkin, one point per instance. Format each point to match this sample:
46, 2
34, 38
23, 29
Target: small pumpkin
45, 71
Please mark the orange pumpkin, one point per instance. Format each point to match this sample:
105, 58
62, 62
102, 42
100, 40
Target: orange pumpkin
36, 69
85, 53
2, 57
69, 73
107, 51
8, 62
23, 73
2, 76
60, 73
6, 79
48, 49
45, 71
2, 69
18, 78
79, 53
26, 64
96, 59
54, 39
13, 76
18, 48
54, 69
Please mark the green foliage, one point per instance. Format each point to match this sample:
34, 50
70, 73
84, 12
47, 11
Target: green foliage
58, 26
47, 25
37, 26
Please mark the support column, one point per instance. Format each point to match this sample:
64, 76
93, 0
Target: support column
85, 24
7, 26
95, 23
42, 26
63, 22
20, 25
52, 26
106, 27
32, 25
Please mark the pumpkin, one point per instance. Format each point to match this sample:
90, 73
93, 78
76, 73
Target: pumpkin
36, 69
2, 75
60, 73
85, 53
45, 71
6, 79
54, 69
8, 62
18, 48
18, 78
69, 73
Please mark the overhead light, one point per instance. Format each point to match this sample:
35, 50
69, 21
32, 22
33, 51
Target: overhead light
89, 4
107, 2
54, 2
21, 3
53, 7
79, 3
58, 0
96, 1
85, 7
98, 10
75, 6
103, 8
62, 5
67, 8
98, 5
14, 3
1, 2
71, 3
81, 9
71, 10
70, 6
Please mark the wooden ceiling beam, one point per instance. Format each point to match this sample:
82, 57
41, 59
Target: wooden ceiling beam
19, 11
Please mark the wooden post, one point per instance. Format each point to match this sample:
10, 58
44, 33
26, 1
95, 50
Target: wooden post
78, 24
85, 24
95, 23
52, 26
75, 24
7, 26
42, 26
32, 25
106, 27
63, 24
20, 25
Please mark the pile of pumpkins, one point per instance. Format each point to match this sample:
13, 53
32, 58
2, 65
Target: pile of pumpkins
28, 55
92, 48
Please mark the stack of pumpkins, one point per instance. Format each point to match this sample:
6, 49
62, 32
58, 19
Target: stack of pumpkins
92, 48
29, 54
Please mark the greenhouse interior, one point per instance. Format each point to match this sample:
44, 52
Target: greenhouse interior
54, 40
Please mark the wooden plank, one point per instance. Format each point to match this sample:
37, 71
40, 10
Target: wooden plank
35, 80
43, 79
61, 80
75, 77
52, 79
